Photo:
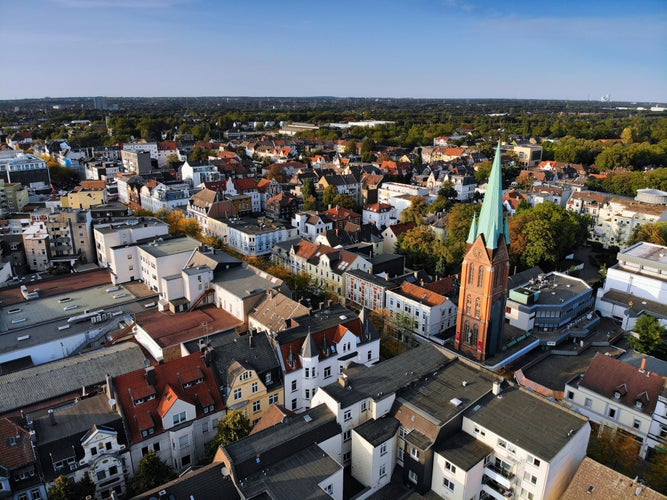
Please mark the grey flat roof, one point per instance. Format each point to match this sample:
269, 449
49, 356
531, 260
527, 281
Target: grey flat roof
244, 282
44, 315
387, 377
555, 289
41, 383
296, 477
378, 431
435, 395
172, 246
463, 450
533, 423
645, 251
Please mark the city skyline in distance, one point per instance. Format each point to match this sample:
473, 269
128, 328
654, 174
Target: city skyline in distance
423, 49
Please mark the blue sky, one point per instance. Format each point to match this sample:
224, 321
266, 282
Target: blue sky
560, 49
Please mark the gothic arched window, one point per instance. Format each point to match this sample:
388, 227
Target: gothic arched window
478, 307
468, 304
480, 277
471, 274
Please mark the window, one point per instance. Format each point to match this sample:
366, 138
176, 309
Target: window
307, 372
570, 395
535, 461
364, 406
611, 413
273, 399
329, 489
327, 372
346, 456
414, 453
448, 484
267, 379
400, 453
480, 277
254, 387
156, 446
527, 476
412, 476
527, 494
347, 435
383, 449
636, 424
402, 432
113, 470
383, 470
93, 451
293, 385
108, 445
369, 356
238, 393
588, 402
307, 393
183, 441
178, 418
204, 427
100, 474
144, 451
22, 496
36, 494
294, 404
347, 415
450, 467
245, 375
256, 406
502, 443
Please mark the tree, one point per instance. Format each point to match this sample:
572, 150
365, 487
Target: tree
447, 195
421, 248
351, 147
344, 200
66, 488
416, 211
171, 160
651, 232
616, 450
651, 335
153, 471
308, 193
330, 192
277, 172
483, 171
233, 427
654, 474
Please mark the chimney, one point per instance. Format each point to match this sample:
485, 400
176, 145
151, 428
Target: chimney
496, 387
52, 417
251, 340
342, 380
150, 376
643, 367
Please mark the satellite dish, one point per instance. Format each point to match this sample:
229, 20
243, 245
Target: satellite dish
224, 471
112, 403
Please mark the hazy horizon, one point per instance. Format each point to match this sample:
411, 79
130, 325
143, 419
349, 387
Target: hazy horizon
424, 49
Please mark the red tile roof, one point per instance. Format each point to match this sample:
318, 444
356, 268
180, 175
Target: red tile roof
168, 388
243, 185
423, 295
18, 454
607, 376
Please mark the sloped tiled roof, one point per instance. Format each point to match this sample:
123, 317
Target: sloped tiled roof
15, 447
423, 295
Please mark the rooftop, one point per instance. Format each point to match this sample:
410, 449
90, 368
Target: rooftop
41, 383
521, 418
378, 431
463, 450
646, 251
246, 281
598, 482
171, 246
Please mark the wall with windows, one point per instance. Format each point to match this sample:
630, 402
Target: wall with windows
372, 465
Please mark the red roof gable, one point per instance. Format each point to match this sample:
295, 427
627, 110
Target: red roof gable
243, 185
170, 384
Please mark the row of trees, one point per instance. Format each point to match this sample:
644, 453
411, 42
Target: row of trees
626, 183
542, 235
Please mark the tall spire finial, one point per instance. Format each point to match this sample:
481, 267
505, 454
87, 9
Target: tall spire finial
472, 235
491, 221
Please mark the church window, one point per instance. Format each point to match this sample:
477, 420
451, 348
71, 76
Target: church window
478, 307
471, 274
480, 276
467, 333
468, 304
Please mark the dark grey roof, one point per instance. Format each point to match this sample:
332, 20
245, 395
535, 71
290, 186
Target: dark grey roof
453, 389
319, 320
463, 450
378, 431
47, 381
282, 440
230, 346
309, 348
523, 277
368, 328
384, 379
371, 278
416, 438
207, 482
296, 476
535, 424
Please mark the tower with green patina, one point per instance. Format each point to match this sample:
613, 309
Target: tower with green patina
483, 293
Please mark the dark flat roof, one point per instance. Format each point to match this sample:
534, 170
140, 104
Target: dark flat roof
378, 431
463, 450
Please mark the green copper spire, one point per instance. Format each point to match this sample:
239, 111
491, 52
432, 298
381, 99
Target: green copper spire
491, 221
472, 235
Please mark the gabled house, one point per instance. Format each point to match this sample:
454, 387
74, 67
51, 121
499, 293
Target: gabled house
171, 409
19, 470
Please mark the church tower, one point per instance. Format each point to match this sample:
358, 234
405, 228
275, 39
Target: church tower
483, 292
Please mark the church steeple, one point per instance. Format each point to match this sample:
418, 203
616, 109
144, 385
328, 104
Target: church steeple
472, 235
491, 220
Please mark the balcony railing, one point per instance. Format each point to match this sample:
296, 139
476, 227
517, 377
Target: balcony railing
499, 470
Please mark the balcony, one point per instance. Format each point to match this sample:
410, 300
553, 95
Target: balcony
494, 490
499, 475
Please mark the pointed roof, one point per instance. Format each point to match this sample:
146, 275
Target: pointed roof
368, 330
309, 348
472, 235
491, 220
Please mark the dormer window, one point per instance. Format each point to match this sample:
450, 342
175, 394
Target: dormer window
639, 404
617, 395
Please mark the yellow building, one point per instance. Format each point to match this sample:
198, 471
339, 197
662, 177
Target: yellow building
85, 194
13, 197
249, 393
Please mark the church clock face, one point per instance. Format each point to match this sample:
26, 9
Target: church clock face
477, 253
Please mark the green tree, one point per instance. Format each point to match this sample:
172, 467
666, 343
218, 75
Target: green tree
615, 450
654, 474
447, 195
416, 211
233, 427
483, 171
650, 232
330, 192
344, 200
351, 147
421, 248
308, 193
171, 160
651, 335
66, 488
153, 472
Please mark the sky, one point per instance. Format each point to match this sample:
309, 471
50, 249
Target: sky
524, 49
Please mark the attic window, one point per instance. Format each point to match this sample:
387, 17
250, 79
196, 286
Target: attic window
639, 404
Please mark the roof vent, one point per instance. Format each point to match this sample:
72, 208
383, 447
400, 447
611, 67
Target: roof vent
456, 402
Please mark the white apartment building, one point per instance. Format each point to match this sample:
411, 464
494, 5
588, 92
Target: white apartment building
635, 285
162, 258
309, 225
256, 236
432, 313
197, 174
165, 196
109, 235
381, 214
151, 147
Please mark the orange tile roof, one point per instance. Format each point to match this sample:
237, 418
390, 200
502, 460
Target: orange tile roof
421, 294
16, 455
169, 397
